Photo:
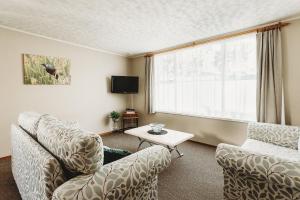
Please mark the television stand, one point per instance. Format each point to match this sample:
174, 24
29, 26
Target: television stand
129, 121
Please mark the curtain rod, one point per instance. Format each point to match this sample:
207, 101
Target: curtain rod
221, 37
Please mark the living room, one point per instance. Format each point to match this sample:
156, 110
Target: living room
216, 83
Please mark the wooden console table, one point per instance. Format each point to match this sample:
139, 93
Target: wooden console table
131, 119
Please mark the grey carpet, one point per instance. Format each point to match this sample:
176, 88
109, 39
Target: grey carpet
195, 176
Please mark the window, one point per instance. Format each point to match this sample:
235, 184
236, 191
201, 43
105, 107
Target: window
217, 79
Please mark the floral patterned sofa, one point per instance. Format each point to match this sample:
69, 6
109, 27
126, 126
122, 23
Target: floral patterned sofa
54, 159
266, 166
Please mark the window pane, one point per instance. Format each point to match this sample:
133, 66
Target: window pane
217, 79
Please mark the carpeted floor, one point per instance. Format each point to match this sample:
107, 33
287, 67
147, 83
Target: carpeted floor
195, 176
8, 188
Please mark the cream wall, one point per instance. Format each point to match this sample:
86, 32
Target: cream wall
214, 131
291, 71
87, 100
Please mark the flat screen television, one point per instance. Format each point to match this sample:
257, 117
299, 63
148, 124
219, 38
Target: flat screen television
125, 84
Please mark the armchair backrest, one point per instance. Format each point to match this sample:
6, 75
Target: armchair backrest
282, 135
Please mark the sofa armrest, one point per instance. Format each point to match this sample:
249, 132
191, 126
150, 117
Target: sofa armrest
258, 167
120, 178
36, 172
286, 136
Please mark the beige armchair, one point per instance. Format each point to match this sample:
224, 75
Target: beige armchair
266, 166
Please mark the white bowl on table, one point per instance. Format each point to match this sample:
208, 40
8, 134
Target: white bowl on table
156, 127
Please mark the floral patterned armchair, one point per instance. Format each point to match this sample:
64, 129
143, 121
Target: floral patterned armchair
266, 166
46, 151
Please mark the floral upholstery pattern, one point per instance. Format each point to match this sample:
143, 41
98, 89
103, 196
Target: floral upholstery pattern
36, 172
269, 149
41, 175
250, 174
286, 136
29, 122
131, 178
80, 151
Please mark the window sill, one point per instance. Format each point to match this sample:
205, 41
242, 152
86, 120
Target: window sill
206, 117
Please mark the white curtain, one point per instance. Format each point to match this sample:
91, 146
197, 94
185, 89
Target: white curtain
217, 79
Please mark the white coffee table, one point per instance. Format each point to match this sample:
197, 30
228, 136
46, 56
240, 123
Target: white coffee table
171, 140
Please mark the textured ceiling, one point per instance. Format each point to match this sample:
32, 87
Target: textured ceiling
135, 26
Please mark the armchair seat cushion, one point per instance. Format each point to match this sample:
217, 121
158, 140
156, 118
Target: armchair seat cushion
263, 148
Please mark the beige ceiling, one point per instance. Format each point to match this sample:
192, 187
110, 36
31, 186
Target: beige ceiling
131, 27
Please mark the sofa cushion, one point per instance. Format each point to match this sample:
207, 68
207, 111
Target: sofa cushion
286, 136
263, 148
29, 122
80, 151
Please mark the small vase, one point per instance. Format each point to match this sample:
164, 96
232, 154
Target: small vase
115, 125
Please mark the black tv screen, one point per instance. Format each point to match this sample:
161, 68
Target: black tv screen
124, 84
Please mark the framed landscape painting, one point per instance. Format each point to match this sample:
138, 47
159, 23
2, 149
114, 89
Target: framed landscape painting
46, 70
